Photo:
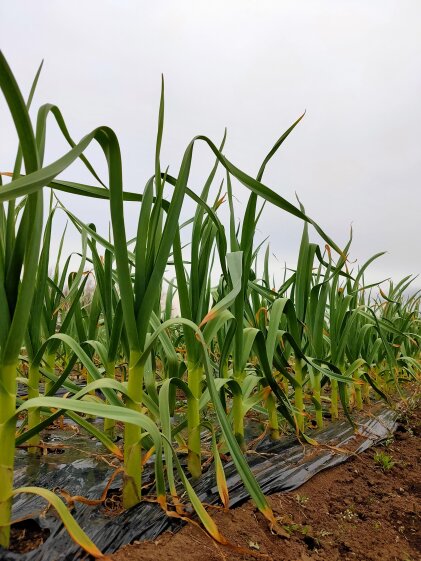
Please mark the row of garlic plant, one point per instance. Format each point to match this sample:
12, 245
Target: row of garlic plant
237, 347
138, 294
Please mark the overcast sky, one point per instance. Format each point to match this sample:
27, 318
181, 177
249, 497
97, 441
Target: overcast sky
252, 66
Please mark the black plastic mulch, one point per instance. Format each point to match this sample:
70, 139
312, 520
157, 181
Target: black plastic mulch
278, 466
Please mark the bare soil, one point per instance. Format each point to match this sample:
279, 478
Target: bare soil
362, 510
26, 536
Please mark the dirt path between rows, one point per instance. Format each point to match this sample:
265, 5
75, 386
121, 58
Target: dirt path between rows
367, 509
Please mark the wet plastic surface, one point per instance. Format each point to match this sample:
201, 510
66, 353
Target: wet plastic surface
83, 469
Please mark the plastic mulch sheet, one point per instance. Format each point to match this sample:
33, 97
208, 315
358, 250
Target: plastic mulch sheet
83, 469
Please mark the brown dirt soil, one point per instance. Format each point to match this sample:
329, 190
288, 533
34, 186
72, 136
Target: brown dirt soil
26, 536
356, 511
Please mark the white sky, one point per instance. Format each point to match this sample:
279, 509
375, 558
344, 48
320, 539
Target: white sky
253, 66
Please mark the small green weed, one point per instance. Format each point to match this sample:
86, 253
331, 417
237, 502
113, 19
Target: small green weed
384, 461
301, 499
